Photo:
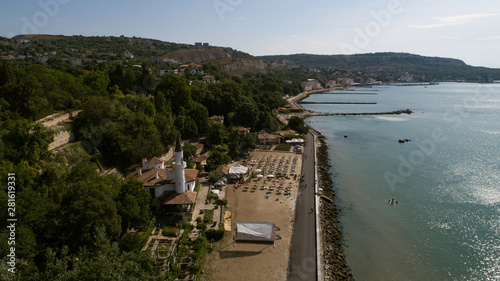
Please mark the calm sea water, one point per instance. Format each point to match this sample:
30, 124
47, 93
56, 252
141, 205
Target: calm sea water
446, 225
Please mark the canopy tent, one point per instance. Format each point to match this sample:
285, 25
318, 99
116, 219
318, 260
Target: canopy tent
238, 173
238, 170
255, 231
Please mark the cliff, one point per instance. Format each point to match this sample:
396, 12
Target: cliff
239, 67
198, 55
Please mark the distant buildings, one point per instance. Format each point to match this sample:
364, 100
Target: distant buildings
346, 81
217, 118
311, 84
331, 84
199, 44
406, 78
208, 78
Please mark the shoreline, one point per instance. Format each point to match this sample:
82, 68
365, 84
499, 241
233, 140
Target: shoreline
333, 261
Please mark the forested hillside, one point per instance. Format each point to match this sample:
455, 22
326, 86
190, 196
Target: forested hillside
71, 219
390, 66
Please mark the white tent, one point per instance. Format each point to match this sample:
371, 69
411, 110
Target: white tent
255, 231
238, 170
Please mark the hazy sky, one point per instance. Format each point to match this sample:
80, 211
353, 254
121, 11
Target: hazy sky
467, 30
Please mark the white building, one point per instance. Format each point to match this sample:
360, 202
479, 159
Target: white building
174, 187
311, 84
406, 78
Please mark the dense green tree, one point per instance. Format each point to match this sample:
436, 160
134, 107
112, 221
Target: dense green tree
297, 124
133, 204
199, 114
247, 114
233, 140
177, 91
26, 141
98, 81
248, 142
189, 150
87, 206
216, 134
218, 158
6, 75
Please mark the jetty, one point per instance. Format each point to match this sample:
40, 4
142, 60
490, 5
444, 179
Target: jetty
397, 112
335, 102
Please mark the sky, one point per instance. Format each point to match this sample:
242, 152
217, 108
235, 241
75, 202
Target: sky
466, 30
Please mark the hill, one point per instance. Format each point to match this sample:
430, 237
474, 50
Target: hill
390, 66
98, 47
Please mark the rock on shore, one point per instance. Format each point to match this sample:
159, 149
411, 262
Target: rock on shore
335, 267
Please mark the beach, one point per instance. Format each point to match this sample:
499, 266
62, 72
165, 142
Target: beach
252, 203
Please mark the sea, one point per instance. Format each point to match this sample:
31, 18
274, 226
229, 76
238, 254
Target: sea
427, 208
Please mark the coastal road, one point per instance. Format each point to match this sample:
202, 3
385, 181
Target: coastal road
303, 248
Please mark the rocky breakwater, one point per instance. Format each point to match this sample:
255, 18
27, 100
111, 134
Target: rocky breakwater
334, 265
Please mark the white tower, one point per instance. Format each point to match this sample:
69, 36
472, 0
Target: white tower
179, 166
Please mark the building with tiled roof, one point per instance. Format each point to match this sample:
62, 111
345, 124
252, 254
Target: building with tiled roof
266, 138
173, 198
160, 181
217, 118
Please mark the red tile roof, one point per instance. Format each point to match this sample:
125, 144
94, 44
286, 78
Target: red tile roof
191, 174
222, 169
198, 159
172, 198
148, 177
154, 161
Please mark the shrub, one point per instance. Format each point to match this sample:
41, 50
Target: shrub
169, 231
283, 147
215, 235
201, 226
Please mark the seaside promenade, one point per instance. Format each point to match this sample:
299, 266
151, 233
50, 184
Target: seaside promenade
303, 259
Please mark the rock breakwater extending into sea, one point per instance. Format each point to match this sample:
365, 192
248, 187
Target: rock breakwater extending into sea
335, 267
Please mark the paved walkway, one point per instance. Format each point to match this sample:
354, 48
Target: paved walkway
303, 248
201, 205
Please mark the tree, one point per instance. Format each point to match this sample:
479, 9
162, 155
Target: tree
214, 177
218, 158
247, 114
98, 81
297, 124
234, 143
189, 150
87, 206
133, 204
199, 114
104, 262
176, 89
216, 134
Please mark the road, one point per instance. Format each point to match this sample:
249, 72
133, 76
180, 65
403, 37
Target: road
303, 248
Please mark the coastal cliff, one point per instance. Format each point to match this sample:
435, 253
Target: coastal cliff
241, 66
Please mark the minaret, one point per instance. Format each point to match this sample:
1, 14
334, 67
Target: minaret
179, 166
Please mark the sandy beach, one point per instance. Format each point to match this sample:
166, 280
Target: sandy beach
252, 203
